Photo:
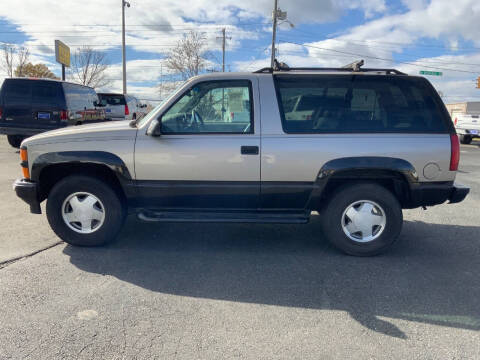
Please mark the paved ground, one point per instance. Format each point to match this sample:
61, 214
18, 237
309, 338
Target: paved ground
215, 291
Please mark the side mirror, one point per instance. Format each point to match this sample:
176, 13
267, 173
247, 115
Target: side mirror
155, 128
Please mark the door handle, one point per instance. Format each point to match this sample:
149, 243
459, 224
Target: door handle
249, 150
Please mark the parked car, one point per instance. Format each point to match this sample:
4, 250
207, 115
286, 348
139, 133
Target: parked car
378, 141
121, 107
467, 126
31, 106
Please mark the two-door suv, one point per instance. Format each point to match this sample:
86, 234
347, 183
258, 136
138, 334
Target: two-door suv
356, 145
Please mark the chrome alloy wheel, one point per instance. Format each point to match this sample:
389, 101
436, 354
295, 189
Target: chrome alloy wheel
83, 212
363, 221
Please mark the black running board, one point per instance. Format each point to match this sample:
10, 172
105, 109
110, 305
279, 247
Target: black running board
213, 216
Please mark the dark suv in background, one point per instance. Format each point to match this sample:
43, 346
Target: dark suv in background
32, 106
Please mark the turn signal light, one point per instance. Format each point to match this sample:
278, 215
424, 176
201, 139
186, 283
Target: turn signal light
24, 163
23, 154
25, 173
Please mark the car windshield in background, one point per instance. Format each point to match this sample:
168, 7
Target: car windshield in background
338, 103
112, 99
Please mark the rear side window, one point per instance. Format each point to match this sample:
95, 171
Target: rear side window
17, 92
46, 93
359, 104
79, 97
111, 99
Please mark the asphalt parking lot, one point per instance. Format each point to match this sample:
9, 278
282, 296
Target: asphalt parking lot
216, 291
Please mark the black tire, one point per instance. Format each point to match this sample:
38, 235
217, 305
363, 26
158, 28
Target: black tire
114, 209
332, 213
465, 139
15, 140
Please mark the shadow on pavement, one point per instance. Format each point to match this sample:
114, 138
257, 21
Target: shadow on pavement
429, 276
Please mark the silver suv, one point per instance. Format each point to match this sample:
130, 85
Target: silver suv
367, 144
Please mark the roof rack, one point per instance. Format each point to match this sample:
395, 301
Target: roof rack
353, 67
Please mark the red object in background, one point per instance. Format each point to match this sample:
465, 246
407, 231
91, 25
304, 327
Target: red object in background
63, 115
127, 112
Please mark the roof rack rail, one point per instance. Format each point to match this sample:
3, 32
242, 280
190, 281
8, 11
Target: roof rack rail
353, 67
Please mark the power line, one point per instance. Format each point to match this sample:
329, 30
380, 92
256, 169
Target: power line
382, 59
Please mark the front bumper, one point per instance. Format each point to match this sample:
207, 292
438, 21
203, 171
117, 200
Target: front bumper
28, 192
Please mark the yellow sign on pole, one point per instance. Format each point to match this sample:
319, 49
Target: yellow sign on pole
62, 53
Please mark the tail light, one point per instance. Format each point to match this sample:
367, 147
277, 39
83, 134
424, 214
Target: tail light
63, 115
455, 122
127, 112
455, 152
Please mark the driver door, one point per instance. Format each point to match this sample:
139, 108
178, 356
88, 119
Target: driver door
208, 155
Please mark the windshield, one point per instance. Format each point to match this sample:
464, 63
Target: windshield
154, 111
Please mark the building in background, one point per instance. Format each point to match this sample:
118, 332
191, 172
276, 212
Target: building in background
471, 108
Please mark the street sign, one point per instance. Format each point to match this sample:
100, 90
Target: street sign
62, 53
435, 73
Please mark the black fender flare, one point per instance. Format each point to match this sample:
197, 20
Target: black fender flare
112, 161
103, 158
362, 167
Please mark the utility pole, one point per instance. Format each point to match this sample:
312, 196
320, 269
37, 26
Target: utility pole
274, 32
124, 60
223, 47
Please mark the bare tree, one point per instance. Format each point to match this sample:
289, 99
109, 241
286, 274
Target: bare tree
88, 67
189, 57
12, 59
165, 88
22, 60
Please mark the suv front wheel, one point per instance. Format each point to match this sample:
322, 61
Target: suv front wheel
362, 219
85, 211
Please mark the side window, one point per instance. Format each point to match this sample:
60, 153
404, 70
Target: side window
45, 93
79, 97
17, 93
212, 107
358, 104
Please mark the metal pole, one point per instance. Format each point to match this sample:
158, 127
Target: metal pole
123, 50
223, 50
63, 72
274, 32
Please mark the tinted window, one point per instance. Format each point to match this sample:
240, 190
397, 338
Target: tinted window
339, 103
45, 93
212, 107
111, 99
17, 92
79, 97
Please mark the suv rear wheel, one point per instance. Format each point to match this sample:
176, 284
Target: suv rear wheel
362, 219
15, 140
85, 211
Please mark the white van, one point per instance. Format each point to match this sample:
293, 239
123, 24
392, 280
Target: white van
121, 107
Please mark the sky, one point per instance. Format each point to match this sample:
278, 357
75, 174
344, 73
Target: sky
409, 35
